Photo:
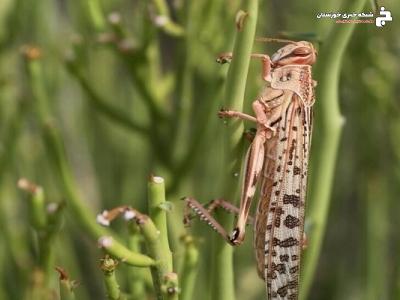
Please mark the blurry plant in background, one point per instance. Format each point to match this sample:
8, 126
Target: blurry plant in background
97, 95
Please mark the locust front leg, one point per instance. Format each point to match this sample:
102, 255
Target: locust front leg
265, 62
261, 117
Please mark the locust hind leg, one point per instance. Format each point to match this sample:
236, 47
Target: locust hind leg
205, 214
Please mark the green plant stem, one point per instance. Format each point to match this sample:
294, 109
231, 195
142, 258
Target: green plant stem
137, 61
154, 246
66, 285
112, 286
222, 283
167, 25
328, 128
66, 288
181, 123
57, 155
377, 238
47, 238
46, 223
170, 289
101, 105
108, 266
144, 68
157, 237
158, 214
96, 15
189, 269
66, 293
37, 205
136, 275
119, 116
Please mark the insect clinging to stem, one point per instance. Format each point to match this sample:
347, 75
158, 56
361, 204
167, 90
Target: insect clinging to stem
277, 159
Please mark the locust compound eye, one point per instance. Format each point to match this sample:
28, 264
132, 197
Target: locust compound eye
301, 51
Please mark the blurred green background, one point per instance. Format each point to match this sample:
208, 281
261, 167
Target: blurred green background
133, 93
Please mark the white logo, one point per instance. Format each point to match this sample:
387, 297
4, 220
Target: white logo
387, 16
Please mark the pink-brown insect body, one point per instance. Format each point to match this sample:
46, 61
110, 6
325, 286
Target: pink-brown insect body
298, 53
279, 224
277, 157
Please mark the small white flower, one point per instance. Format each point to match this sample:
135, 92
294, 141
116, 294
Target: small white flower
52, 207
129, 215
114, 18
102, 219
161, 20
105, 242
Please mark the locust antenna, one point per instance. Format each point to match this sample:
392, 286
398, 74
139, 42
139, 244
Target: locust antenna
267, 39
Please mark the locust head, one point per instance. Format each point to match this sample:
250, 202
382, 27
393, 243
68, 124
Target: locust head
299, 53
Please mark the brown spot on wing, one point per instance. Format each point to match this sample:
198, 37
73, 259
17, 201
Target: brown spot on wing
291, 222
291, 199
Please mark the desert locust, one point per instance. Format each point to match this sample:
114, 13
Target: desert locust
278, 160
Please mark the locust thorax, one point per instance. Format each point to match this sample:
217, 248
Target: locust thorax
296, 53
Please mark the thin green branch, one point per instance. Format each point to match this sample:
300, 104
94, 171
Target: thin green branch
140, 67
56, 152
377, 217
46, 219
189, 268
37, 207
222, 283
163, 19
156, 234
67, 285
182, 122
96, 15
328, 127
101, 105
158, 208
154, 247
108, 266
137, 61
136, 276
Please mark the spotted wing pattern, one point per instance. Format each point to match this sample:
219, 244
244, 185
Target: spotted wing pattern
280, 215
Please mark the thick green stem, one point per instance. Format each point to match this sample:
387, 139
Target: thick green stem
158, 213
170, 289
328, 127
66, 293
155, 232
96, 15
67, 285
189, 268
222, 283
108, 265
136, 275
377, 238
154, 246
57, 155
